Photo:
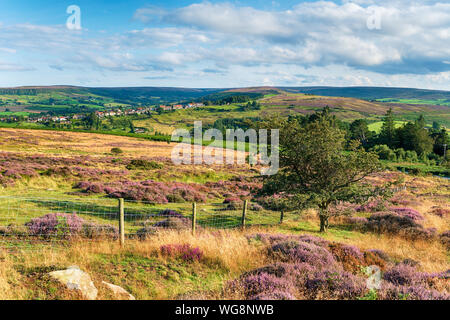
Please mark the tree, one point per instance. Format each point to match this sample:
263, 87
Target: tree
414, 136
316, 171
387, 134
359, 130
436, 126
91, 121
441, 142
132, 129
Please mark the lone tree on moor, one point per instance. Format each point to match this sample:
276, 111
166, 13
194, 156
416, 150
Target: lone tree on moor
318, 168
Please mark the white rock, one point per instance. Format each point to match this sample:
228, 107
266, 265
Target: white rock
75, 279
118, 291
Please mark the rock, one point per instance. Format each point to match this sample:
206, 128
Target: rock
118, 291
75, 279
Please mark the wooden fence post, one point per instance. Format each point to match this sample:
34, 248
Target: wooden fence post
122, 221
194, 218
281, 217
244, 214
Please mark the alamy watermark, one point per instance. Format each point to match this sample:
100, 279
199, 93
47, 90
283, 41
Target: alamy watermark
240, 146
74, 20
374, 21
374, 280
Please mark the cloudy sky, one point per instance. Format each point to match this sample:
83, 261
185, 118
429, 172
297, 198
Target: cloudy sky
226, 44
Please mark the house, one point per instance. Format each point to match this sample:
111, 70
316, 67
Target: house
78, 117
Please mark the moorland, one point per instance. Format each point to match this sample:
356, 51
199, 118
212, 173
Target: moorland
58, 178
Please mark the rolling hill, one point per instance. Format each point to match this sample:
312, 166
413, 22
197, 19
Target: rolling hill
348, 103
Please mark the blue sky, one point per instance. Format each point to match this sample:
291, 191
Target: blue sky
226, 44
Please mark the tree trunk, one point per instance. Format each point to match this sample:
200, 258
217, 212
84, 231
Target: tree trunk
323, 223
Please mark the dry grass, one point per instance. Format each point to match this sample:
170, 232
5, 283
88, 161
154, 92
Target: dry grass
226, 255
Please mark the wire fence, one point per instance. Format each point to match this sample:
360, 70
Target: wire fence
33, 221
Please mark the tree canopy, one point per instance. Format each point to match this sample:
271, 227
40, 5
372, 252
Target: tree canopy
316, 170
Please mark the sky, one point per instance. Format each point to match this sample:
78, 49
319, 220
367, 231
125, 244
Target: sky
224, 44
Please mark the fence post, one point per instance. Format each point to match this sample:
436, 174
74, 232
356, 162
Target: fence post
281, 217
122, 221
244, 214
194, 217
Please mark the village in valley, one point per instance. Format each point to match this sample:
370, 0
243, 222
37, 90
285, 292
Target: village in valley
114, 112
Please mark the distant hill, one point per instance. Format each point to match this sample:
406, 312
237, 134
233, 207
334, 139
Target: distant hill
372, 93
172, 94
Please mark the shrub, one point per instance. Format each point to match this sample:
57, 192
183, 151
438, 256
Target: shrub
170, 213
182, 251
14, 230
298, 251
56, 224
274, 295
356, 221
285, 270
321, 242
408, 212
380, 253
418, 233
392, 223
335, 284
373, 259
174, 223
256, 207
411, 156
140, 164
372, 206
350, 256
445, 238
116, 151
384, 152
256, 284
389, 291
440, 212
146, 232
403, 274
99, 231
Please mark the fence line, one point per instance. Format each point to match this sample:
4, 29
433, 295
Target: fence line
42, 220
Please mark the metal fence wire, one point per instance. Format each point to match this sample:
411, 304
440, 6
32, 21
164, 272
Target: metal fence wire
25, 220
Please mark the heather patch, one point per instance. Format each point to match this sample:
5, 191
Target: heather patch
399, 224
182, 251
275, 295
350, 257
409, 213
445, 238
56, 224
417, 292
372, 206
335, 284
263, 283
440, 212
298, 251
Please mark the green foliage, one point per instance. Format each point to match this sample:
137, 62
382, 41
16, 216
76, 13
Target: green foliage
359, 130
384, 152
387, 135
116, 151
140, 164
316, 171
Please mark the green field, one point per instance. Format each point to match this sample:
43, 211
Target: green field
437, 102
376, 126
